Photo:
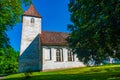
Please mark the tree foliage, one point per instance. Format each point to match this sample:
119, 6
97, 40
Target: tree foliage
95, 29
10, 14
8, 61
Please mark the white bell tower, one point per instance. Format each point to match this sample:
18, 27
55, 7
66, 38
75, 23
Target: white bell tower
31, 27
30, 41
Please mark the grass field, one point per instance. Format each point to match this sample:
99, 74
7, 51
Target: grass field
106, 72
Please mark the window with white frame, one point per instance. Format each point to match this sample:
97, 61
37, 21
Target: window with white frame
59, 55
47, 54
70, 55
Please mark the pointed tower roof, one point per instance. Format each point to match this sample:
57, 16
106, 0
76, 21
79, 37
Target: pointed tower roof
32, 12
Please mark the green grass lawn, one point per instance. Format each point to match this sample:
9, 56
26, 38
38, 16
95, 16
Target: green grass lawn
106, 72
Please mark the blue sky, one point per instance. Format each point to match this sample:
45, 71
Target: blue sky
55, 17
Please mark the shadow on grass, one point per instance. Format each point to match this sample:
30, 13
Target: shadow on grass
93, 76
115, 69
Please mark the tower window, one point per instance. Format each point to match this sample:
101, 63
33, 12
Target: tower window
32, 20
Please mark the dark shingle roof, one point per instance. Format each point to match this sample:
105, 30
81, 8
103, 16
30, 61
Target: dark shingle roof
32, 12
54, 38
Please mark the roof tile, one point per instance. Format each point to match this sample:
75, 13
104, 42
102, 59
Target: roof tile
54, 38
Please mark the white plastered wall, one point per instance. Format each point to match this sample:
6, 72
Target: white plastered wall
53, 64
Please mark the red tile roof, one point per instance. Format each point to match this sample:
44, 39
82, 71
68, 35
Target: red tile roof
54, 38
32, 12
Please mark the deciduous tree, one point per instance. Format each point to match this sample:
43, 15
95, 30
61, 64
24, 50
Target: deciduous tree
95, 29
10, 14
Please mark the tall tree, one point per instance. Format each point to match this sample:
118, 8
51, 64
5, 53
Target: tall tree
10, 11
95, 29
10, 14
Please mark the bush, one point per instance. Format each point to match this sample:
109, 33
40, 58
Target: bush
8, 61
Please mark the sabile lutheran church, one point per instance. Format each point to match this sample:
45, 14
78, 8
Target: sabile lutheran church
41, 50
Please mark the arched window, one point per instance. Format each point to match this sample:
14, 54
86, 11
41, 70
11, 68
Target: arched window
70, 55
59, 55
32, 20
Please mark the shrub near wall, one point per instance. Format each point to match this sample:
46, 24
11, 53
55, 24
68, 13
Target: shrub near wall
8, 61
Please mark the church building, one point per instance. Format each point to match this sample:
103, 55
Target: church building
43, 50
